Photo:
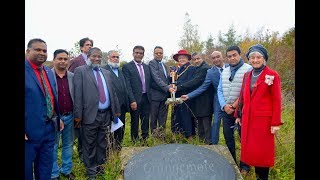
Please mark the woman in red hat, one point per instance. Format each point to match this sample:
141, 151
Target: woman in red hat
181, 122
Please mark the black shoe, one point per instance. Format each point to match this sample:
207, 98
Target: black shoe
70, 176
56, 178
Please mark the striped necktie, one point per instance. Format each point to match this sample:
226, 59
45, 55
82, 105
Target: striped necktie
47, 94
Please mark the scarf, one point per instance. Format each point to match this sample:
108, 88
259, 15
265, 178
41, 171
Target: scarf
234, 69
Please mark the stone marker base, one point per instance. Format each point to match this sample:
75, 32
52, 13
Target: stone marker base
128, 152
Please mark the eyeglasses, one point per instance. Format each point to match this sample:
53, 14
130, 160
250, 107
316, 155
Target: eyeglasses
139, 53
115, 57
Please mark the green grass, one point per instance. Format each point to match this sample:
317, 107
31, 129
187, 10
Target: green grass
284, 168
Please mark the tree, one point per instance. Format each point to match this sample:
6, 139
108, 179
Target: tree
209, 48
230, 38
190, 39
75, 51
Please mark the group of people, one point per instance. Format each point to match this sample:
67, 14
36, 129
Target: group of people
80, 98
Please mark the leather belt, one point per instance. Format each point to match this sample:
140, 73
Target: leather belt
66, 113
103, 110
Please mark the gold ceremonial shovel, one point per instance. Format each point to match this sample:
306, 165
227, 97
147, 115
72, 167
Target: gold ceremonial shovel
173, 100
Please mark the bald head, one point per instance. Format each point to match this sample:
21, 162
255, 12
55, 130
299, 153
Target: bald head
217, 58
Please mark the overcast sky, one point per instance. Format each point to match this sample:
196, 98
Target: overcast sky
126, 23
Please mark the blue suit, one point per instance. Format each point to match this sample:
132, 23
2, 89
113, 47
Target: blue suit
212, 77
41, 134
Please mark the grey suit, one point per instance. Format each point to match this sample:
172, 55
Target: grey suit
134, 86
94, 122
159, 94
86, 94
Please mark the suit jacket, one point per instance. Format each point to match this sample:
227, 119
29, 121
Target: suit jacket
76, 62
212, 78
159, 82
70, 82
134, 83
86, 94
119, 83
35, 104
202, 105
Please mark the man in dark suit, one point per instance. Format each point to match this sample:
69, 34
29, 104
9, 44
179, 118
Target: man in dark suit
119, 82
212, 79
202, 105
138, 80
95, 106
42, 117
82, 59
160, 88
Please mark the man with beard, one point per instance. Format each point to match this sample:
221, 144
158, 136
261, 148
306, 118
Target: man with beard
64, 80
95, 106
119, 82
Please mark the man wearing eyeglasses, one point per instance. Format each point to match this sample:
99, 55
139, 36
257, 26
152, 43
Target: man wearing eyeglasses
138, 78
119, 82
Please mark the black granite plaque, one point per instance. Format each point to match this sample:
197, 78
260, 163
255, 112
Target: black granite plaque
178, 162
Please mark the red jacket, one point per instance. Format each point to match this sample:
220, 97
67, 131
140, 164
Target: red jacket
261, 110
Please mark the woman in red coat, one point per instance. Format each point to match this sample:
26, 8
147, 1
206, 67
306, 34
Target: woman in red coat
260, 117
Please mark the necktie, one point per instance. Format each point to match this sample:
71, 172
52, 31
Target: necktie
102, 96
164, 69
141, 73
47, 94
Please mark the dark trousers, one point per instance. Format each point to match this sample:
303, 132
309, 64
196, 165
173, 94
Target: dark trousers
182, 122
39, 155
158, 114
228, 121
262, 173
77, 135
204, 128
94, 143
142, 112
119, 133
